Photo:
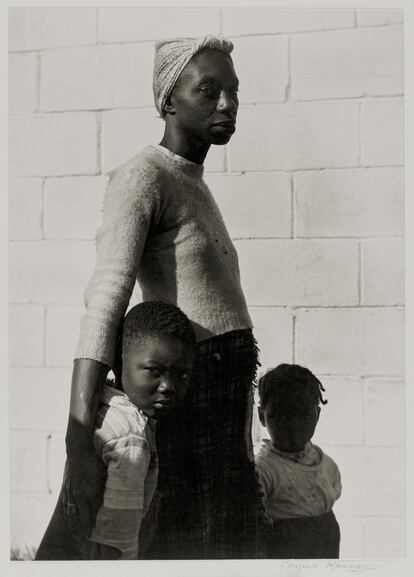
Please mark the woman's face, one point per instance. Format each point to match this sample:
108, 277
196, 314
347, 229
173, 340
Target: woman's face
203, 104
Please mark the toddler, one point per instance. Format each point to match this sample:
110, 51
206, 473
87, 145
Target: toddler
300, 483
152, 372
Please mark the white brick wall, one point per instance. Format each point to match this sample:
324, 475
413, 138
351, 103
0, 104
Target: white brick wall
270, 214
299, 273
345, 397
291, 136
311, 188
62, 332
382, 131
25, 209
27, 329
73, 207
97, 77
384, 397
367, 482
50, 272
141, 24
126, 131
379, 17
262, 68
272, 21
348, 63
50, 28
45, 383
23, 72
349, 203
383, 272
53, 145
385, 537
355, 341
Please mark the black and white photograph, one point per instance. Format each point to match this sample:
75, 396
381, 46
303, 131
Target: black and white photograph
206, 287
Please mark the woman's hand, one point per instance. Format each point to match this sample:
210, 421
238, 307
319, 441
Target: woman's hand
85, 481
85, 473
100, 552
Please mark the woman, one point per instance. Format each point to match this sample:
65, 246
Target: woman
162, 228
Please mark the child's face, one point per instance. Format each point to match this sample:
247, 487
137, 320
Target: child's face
156, 373
290, 422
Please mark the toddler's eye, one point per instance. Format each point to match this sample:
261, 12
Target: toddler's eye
153, 372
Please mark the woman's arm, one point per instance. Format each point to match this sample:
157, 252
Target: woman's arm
85, 473
88, 378
130, 205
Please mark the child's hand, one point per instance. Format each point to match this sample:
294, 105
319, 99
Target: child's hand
101, 552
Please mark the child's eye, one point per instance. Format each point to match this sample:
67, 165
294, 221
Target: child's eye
156, 373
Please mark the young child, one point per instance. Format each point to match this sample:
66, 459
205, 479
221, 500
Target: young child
152, 373
300, 483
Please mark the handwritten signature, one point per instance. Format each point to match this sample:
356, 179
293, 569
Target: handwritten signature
294, 568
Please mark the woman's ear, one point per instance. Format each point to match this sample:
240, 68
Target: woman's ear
318, 410
169, 106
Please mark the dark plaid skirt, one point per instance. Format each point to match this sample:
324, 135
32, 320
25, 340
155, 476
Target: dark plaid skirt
305, 538
210, 499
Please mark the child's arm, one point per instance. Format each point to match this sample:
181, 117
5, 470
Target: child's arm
336, 482
101, 552
119, 519
116, 534
265, 478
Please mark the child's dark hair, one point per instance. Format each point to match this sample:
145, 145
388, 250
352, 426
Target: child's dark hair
151, 318
292, 379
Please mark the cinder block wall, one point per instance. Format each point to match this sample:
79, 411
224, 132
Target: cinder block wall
311, 189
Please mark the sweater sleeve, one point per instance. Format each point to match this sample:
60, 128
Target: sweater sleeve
131, 206
119, 519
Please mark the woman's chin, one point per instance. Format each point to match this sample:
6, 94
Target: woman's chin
221, 137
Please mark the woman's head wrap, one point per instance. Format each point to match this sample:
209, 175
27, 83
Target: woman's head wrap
171, 57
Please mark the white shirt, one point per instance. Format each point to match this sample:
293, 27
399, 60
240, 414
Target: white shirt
297, 484
125, 440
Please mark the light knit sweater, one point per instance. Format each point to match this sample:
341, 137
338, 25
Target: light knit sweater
162, 228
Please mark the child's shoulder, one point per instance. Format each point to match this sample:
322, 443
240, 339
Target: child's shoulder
266, 455
327, 461
118, 417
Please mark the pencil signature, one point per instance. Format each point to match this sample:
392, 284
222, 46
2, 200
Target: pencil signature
295, 568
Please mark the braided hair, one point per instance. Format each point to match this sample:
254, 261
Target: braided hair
288, 379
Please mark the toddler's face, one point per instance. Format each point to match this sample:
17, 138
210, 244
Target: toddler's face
156, 373
290, 422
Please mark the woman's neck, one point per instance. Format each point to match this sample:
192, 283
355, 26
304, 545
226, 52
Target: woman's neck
193, 151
